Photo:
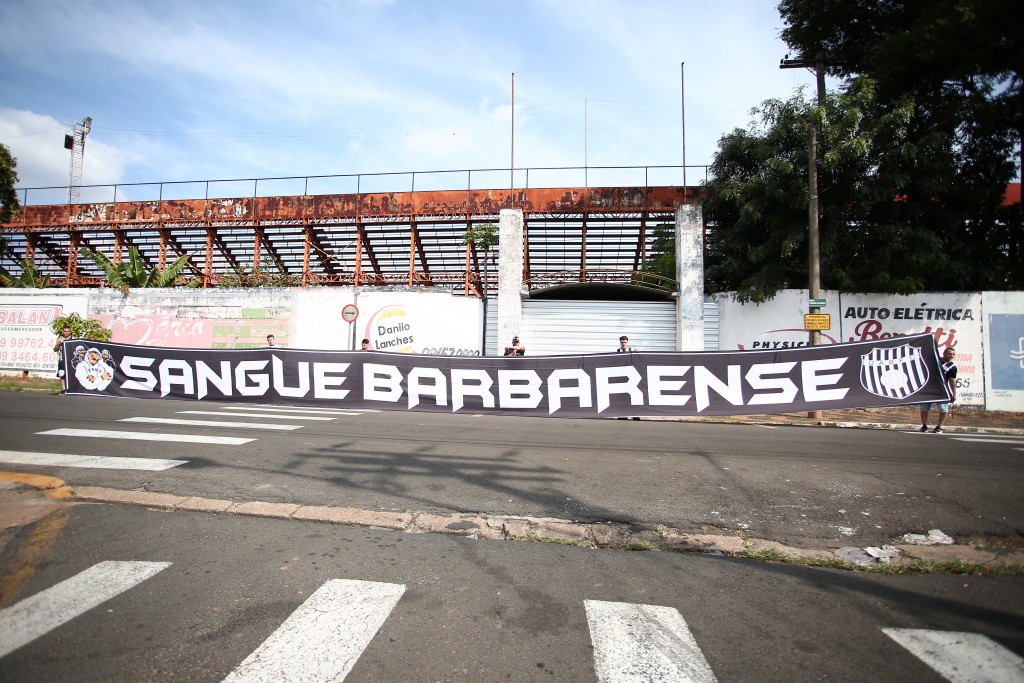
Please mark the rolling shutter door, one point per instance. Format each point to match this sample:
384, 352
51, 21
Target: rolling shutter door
559, 327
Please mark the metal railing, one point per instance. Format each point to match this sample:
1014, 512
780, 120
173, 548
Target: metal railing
358, 183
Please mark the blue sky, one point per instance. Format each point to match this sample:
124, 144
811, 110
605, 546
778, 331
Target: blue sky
223, 89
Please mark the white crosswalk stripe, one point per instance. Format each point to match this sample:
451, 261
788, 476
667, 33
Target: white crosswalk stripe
265, 413
1011, 440
293, 409
41, 613
644, 643
290, 416
323, 639
91, 461
210, 423
326, 635
961, 657
147, 436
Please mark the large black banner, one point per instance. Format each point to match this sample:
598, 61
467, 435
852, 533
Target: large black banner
900, 370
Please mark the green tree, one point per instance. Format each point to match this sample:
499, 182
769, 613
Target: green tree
271, 273
483, 236
661, 258
133, 272
959, 66
81, 328
871, 238
30, 277
8, 179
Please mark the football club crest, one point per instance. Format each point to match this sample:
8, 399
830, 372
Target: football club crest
894, 373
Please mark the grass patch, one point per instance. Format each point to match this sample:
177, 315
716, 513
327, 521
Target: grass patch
635, 547
993, 542
577, 542
18, 383
902, 566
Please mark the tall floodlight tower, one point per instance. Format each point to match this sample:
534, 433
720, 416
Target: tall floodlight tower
76, 143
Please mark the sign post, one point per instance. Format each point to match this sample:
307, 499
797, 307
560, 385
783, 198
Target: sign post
349, 313
817, 321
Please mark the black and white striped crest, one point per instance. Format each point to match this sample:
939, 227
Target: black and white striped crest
893, 372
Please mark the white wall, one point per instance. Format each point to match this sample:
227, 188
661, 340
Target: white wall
954, 318
986, 329
1004, 350
26, 341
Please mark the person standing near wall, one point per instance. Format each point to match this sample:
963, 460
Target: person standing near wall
516, 349
949, 376
365, 345
62, 366
270, 341
624, 347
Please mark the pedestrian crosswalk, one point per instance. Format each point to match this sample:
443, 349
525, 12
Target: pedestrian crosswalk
270, 418
211, 423
324, 637
90, 461
1014, 441
960, 656
146, 436
644, 642
41, 613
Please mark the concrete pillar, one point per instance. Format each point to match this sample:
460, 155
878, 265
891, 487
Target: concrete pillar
510, 280
690, 275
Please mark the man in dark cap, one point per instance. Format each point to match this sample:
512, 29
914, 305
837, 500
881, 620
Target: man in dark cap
516, 349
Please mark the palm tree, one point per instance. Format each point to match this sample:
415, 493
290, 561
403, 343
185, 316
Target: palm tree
134, 272
483, 236
29, 278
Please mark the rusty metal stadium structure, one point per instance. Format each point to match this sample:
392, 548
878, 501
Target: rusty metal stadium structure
414, 238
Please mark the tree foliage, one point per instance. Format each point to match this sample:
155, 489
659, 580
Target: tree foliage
134, 272
661, 258
9, 204
81, 328
483, 236
30, 278
916, 149
958, 65
871, 238
961, 61
271, 273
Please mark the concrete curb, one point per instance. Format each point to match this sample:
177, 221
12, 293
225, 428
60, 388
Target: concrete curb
953, 429
606, 535
596, 535
892, 426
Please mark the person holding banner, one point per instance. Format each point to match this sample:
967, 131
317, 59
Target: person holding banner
624, 347
516, 349
949, 377
62, 370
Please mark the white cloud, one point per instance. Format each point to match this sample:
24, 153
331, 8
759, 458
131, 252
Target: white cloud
37, 143
193, 90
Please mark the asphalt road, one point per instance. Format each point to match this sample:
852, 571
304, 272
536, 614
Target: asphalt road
470, 610
226, 597
807, 487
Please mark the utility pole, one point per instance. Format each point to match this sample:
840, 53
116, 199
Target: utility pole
813, 242
76, 143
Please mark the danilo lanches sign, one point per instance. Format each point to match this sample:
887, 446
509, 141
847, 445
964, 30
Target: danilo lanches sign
859, 375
